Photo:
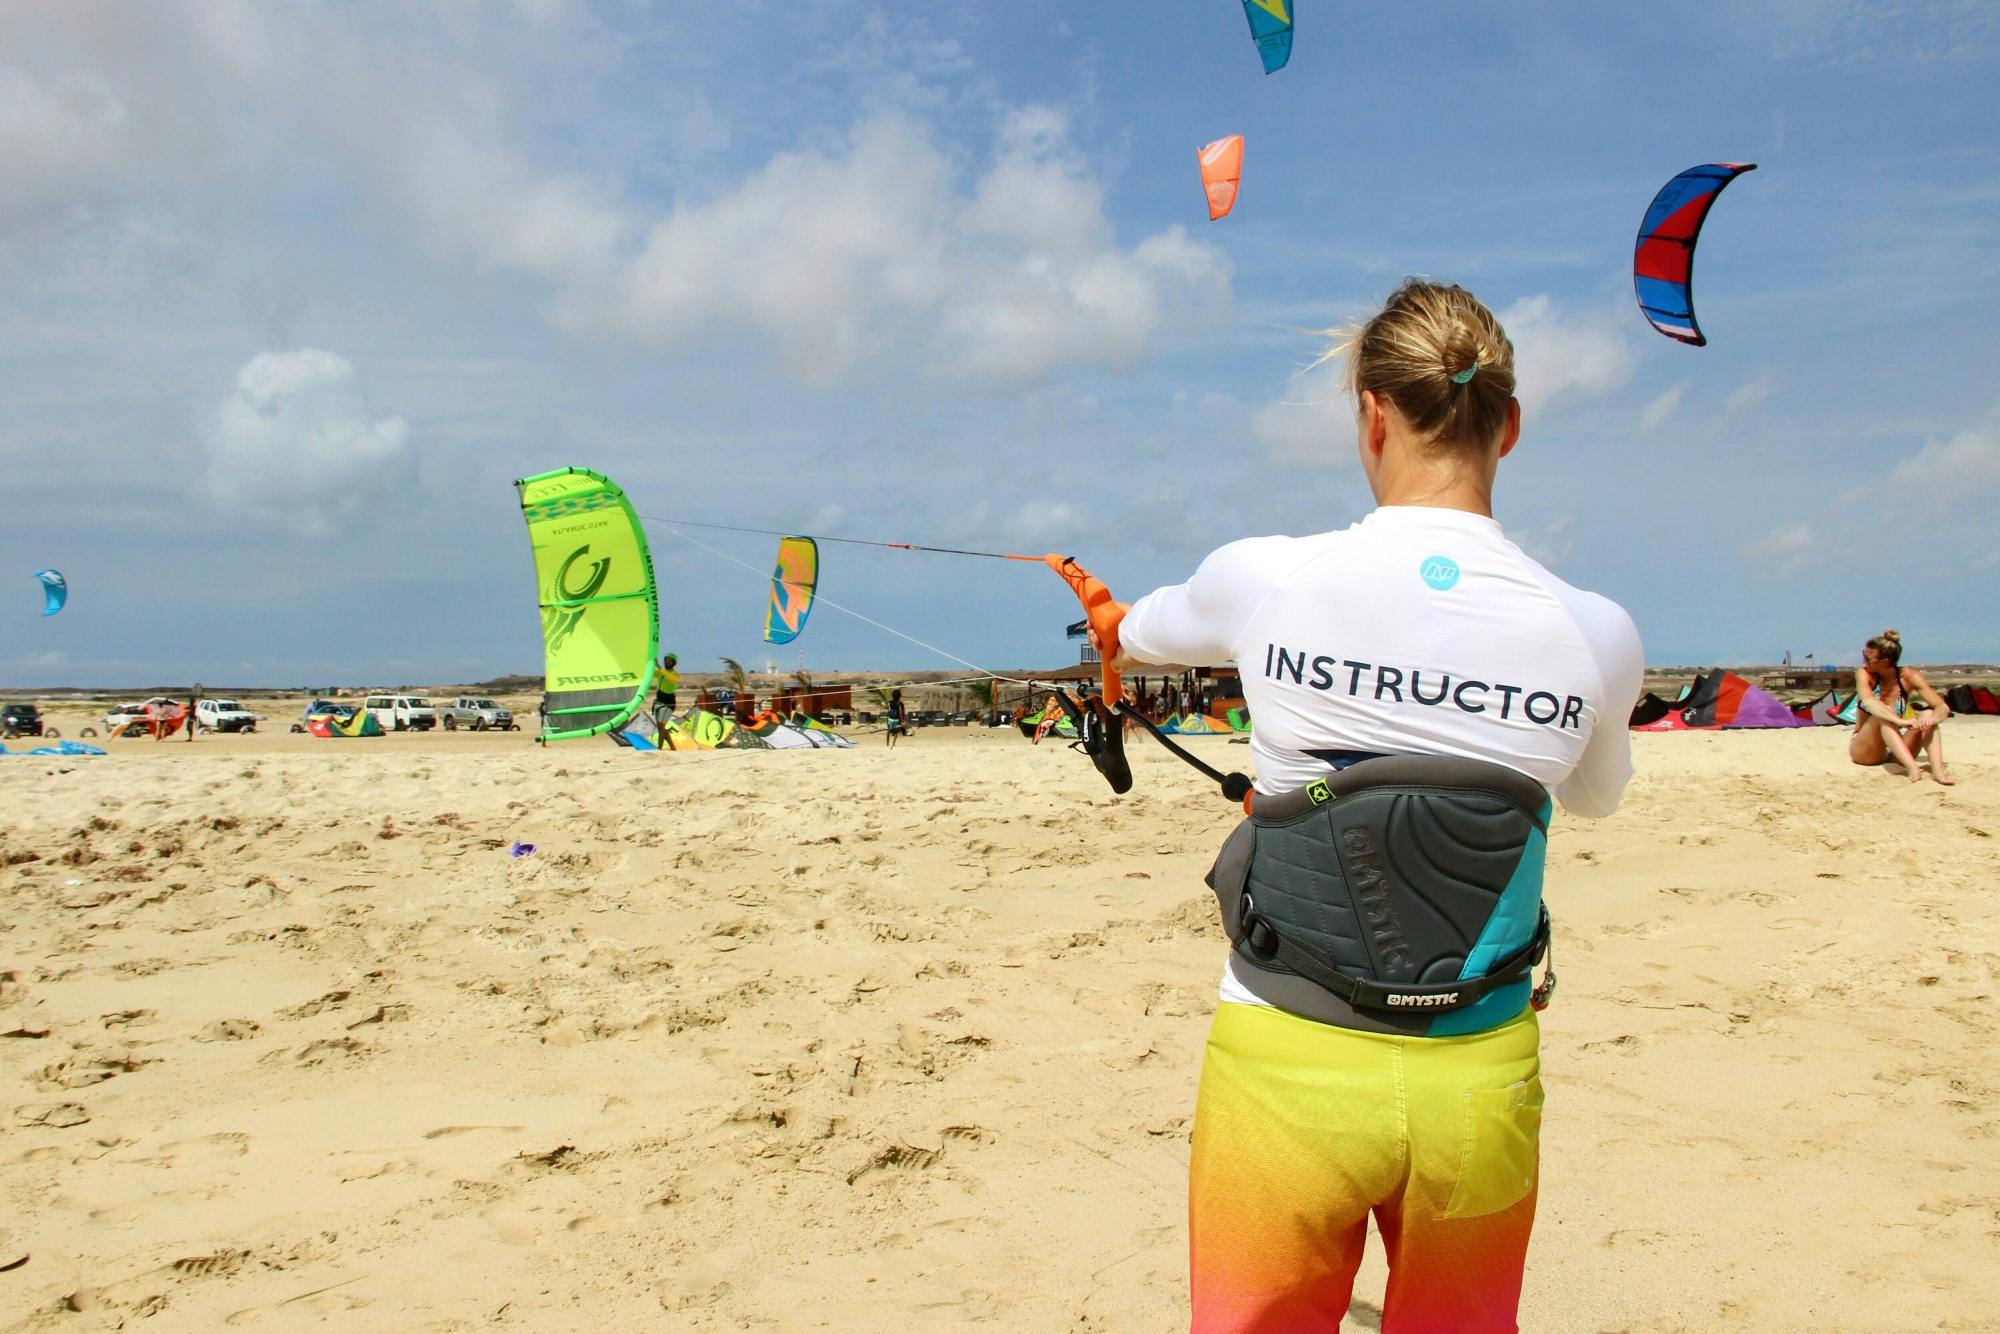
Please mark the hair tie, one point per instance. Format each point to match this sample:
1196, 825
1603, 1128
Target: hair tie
1465, 376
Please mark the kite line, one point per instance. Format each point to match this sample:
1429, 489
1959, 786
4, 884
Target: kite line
985, 673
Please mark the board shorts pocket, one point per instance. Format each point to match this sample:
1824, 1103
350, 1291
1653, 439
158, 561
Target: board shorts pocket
1499, 1148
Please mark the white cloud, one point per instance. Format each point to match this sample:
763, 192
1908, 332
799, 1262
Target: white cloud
1551, 544
1557, 356
49, 660
881, 255
1952, 471
1789, 547
1312, 425
1047, 522
1914, 32
1746, 396
294, 445
871, 259
1660, 409
1564, 356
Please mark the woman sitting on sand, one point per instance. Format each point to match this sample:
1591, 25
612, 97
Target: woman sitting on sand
1890, 727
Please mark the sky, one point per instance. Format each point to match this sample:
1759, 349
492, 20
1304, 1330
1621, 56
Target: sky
290, 295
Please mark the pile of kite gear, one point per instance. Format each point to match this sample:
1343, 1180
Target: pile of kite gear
356, 723
698, 729
1717, 700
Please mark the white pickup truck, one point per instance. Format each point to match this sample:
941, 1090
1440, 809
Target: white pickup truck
223, 715
477, 713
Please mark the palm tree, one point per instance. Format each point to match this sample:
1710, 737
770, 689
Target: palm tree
986, 694
739, 680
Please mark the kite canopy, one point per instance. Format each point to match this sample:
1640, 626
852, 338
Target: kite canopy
1221, 168
1271, 29
793, 580
1721, 698
600, 609
1663, 257
359, 723
55, 591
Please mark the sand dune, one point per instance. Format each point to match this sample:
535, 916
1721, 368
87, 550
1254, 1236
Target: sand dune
864, 1040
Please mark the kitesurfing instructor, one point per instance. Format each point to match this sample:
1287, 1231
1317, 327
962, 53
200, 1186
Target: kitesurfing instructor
1420, 631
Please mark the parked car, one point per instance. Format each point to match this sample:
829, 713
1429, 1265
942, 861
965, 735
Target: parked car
477, 713
402, 713
324, 708
22, 720
224, 715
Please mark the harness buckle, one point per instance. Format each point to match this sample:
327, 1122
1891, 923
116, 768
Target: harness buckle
1545, 990
1257, 933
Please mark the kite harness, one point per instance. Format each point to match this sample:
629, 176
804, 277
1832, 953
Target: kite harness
1402, 893
1394, 895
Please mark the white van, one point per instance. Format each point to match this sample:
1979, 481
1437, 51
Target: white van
402, 713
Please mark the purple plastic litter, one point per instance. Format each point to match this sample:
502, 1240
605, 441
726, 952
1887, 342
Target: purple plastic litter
520, 849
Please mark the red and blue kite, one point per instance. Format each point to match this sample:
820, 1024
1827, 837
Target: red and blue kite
1663, 259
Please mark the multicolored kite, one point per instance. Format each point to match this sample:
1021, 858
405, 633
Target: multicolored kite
1271, 29
793, 579
1663, 259
1221, 169
55, 591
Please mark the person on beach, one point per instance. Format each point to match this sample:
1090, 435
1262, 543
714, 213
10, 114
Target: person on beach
194, 698
666, 689
895, 717
1891, 729
1419, 638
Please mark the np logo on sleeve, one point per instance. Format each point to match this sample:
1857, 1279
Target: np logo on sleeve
1440, 572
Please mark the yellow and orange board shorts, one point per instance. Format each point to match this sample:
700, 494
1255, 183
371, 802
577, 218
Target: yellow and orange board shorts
1303, 1129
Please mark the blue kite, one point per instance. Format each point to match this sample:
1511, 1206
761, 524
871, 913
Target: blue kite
55, 591
1271, 29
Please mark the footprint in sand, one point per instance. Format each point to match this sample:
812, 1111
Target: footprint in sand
332, 1000
320, 1302
80, 1071
135, 1209
317, 1053
215, 1148
513, 1226
372, 1170
229, 1030
60, 1115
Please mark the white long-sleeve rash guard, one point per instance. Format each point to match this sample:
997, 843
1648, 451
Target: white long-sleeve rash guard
1417, 631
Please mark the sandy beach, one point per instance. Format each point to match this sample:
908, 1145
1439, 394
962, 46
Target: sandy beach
870, 1039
